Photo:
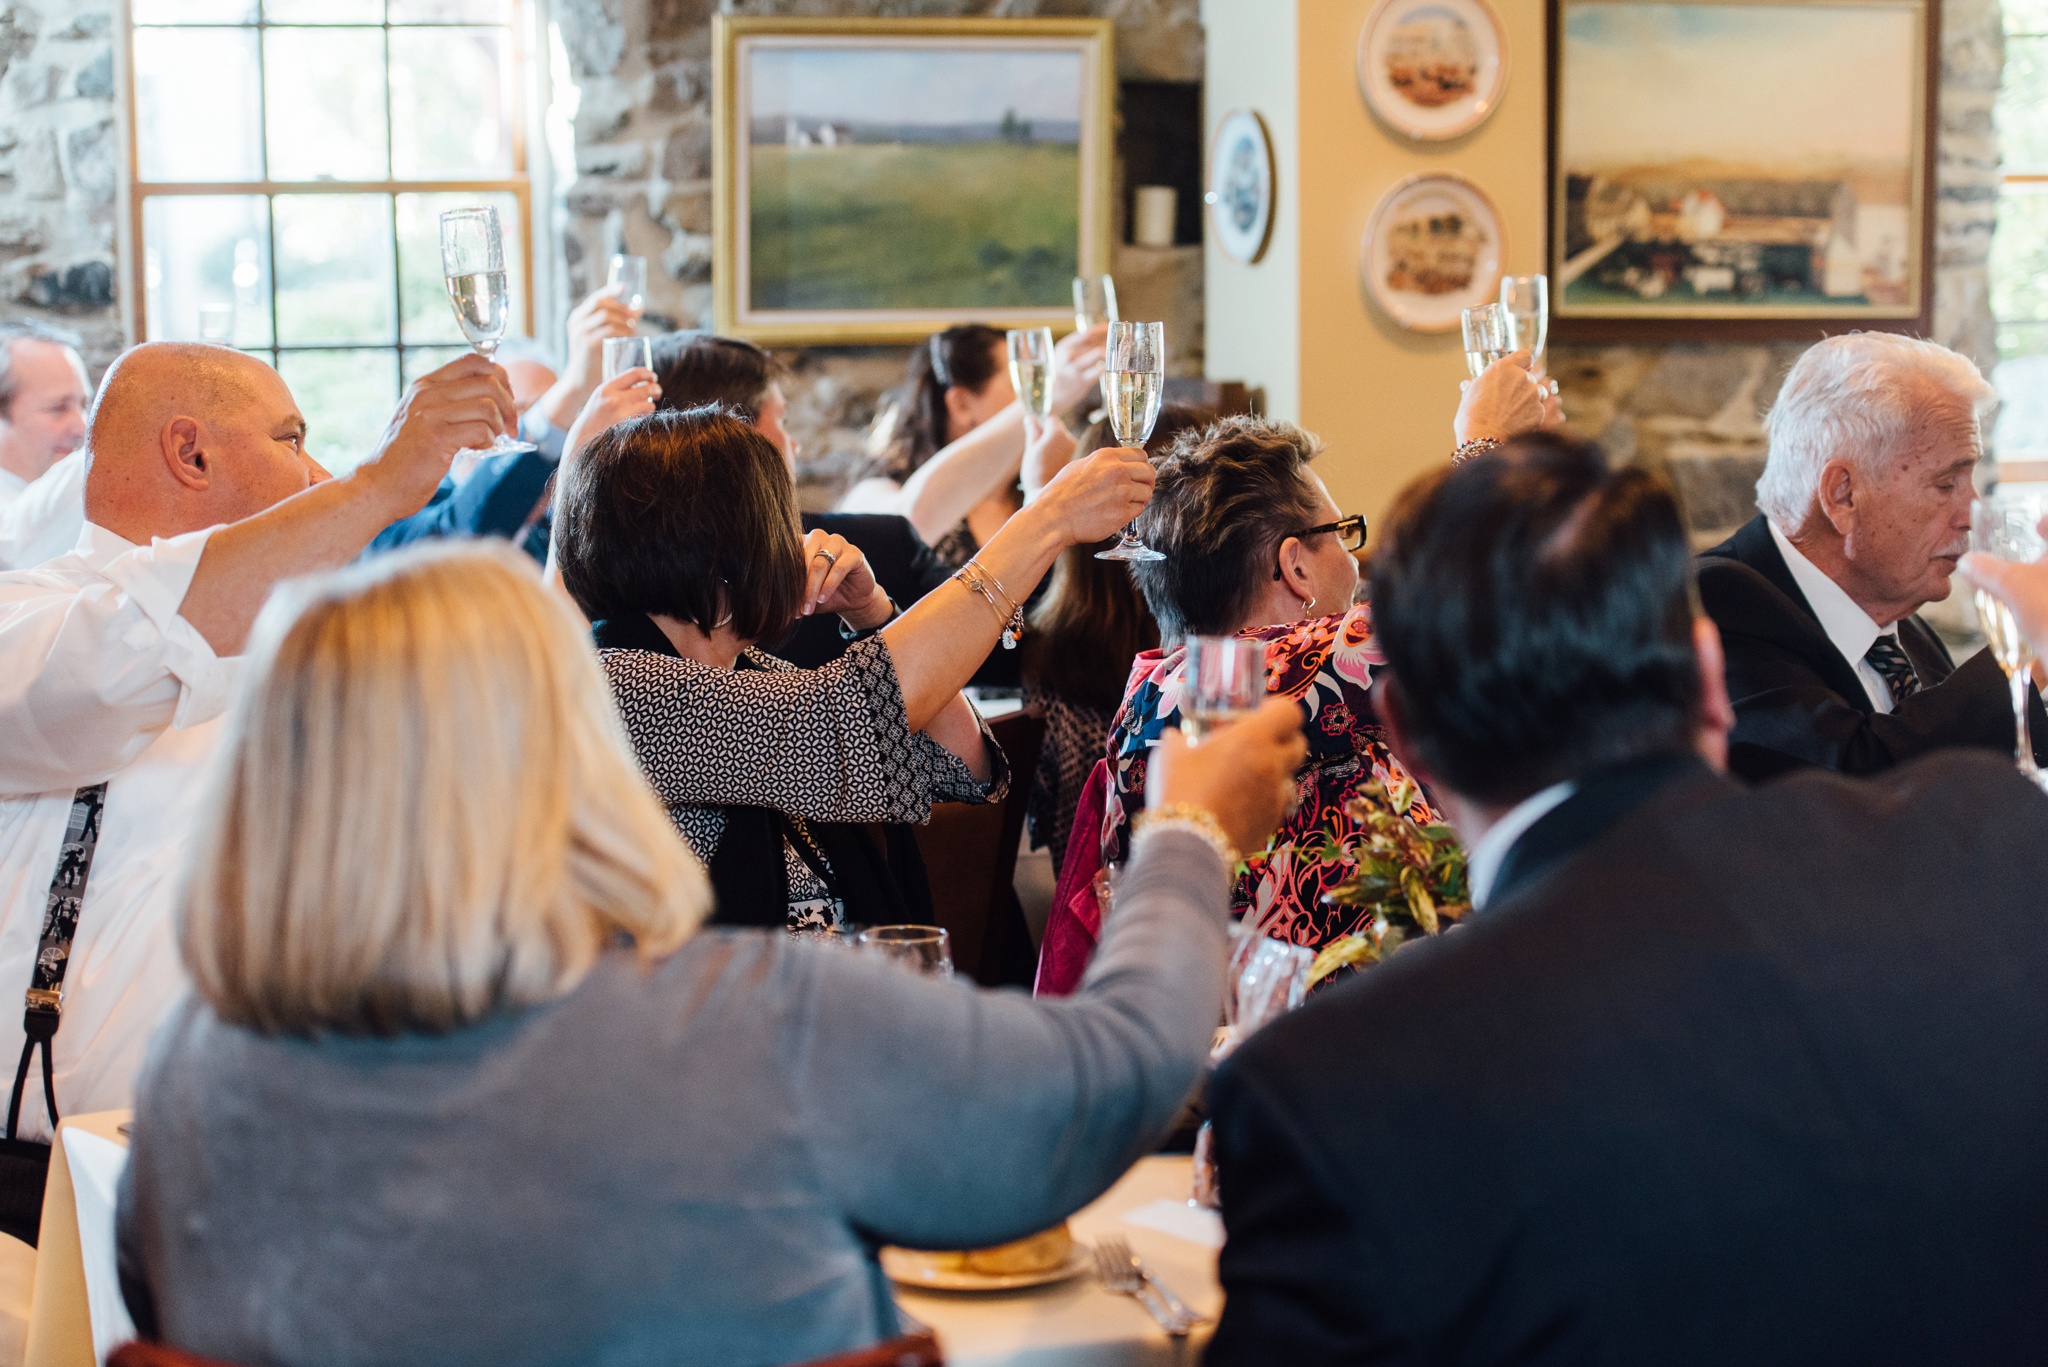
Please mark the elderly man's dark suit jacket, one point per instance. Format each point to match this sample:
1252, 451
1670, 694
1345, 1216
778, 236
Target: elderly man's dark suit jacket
1798, 702
1722, 1075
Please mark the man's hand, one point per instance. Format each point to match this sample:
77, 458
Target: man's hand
462, 406
837, 579
604, 314
1048, 448
1243, 773
1091, 499
1505, 401
1077, 370
628, 394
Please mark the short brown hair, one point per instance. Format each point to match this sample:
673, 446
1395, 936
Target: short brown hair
687, 514
699, 368
1227, 496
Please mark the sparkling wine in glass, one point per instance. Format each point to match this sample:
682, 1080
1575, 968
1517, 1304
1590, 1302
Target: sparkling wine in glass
1223, 680
473, 259
630, 271
1031, 368
1489, 336
1526, 298
1133, 383
2006, 525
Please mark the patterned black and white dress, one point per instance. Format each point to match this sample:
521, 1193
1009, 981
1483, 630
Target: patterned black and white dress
832, 744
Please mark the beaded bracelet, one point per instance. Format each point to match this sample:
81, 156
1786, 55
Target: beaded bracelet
1475, 447
1198, 821
976, 577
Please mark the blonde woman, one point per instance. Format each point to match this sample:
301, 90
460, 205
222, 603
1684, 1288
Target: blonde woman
462, 1081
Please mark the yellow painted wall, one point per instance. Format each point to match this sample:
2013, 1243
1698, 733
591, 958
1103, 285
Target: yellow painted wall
1380, 396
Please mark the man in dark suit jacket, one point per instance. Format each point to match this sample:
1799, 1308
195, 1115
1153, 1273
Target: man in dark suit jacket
1714, 1074
1866, 498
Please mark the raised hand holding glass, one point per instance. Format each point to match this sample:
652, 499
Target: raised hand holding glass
1133, 381
473, 260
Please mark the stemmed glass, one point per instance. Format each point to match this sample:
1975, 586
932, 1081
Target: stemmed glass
1488, 336
2006, 525
1526, 299
1133, 382
473, 259
630, 271
1031, 368
1094, 301
1223, 680
922, 949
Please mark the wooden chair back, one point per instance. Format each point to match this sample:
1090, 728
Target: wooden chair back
970, 858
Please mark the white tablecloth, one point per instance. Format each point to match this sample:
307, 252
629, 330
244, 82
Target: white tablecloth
1076, 1323
76, 1313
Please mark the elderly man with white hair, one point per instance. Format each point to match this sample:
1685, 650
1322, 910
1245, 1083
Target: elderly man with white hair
1865, 502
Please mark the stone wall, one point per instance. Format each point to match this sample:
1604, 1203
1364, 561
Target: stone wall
1697, 410
643, 179
59, 144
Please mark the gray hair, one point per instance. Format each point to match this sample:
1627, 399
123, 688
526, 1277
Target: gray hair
14, 330
1860, 397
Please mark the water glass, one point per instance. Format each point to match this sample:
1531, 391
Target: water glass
624, 353
2006, 524
630, 271
1489, 335
1223, 680
922, 949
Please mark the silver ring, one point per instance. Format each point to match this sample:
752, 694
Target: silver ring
830, 558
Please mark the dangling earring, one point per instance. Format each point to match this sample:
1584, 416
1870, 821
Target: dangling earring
1308, 607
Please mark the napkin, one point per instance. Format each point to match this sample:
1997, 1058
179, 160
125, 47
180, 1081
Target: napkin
1181, 1220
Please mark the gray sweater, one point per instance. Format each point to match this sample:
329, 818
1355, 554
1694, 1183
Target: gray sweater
691, 1164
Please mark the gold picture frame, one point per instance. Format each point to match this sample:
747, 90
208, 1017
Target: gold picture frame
830, 230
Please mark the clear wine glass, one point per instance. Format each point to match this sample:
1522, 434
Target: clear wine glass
1031, 368
630, 271
2006, 524
1222, 681
622, 354
1094, 301
922, 949
1488, 336
1526, 298
473, 259
1133, 381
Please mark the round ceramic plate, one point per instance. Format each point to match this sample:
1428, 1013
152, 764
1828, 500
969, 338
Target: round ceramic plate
1240, 191
1432, 68
909, 1267
1433, 249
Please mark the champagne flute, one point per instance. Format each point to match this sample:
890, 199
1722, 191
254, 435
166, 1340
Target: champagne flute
1526, 298
1031, 368
1094, 301
473, 259
1222, 681
630, 271
1488, 336
622, 354
922, 949
2006, 525
1133, 383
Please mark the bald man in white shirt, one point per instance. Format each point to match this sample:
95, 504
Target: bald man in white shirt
43, 394
117, 660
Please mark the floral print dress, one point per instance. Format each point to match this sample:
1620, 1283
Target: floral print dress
1327, 664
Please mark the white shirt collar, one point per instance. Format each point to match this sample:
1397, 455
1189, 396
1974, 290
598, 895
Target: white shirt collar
1490, 851
12, 486
1849, 628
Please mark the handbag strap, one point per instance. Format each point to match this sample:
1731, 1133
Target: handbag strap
45, 999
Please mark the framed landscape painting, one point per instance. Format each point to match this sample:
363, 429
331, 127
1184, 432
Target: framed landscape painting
880, 179
1740, 168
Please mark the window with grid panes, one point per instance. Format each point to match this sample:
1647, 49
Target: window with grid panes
2019, 248
290, 162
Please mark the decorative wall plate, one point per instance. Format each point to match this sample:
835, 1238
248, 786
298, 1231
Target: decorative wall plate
1432, 68
1433, 249
1240, 189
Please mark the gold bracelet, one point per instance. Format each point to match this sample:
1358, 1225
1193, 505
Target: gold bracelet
1186, 816
978, 580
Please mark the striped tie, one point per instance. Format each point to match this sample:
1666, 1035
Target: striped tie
1888, 658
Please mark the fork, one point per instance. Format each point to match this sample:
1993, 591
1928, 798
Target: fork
1122, 1272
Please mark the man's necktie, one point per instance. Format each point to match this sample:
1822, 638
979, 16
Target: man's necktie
1888, 658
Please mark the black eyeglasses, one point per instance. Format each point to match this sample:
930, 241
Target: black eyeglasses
1350, 534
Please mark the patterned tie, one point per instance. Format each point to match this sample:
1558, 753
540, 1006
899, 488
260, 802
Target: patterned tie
1888, 658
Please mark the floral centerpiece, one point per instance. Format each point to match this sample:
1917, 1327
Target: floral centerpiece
1410, 878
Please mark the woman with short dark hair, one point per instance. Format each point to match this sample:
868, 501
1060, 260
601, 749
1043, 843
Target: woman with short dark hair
676, 533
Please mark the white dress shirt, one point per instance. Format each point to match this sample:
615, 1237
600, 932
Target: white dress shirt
42, 520
1847, 625
1490, 851
100, 678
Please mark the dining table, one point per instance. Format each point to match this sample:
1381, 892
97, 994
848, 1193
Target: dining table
1078, 1322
